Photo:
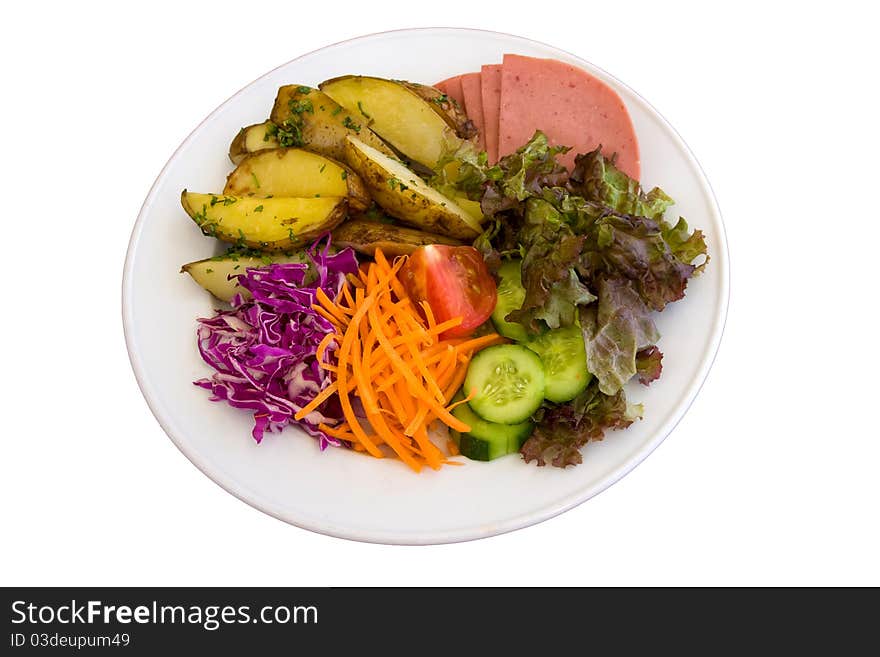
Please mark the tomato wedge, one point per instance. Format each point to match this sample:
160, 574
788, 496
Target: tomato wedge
454, 281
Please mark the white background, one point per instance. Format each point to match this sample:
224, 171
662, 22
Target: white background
771, 478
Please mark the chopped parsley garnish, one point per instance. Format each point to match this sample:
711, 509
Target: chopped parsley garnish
361, 108
209, 271
226, 200
336, 111
259, 208
290, 135
344, 174
304, 90
441, 99
351, 125
201, 217
300, 106
321, 170
234, 253
290, 132
256, 180
393, 183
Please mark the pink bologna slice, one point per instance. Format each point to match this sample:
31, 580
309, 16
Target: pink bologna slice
473, 104
490, 78
571, 106
452, 88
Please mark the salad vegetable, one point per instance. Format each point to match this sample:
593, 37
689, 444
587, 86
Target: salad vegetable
454, 281
488, 440
265, 350
506, 383
393, 357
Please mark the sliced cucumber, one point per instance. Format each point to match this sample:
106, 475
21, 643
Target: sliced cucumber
511, 294
488, 440
509, 382
564, 357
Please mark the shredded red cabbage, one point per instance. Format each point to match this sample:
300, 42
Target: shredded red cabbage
263, 350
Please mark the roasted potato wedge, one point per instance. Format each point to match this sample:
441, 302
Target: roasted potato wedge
308, 118
367, 236
296, 172
446, 107
267, 224
404, 195
252, 139
213, 274
398, 115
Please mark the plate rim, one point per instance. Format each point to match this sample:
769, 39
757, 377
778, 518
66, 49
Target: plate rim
220, 478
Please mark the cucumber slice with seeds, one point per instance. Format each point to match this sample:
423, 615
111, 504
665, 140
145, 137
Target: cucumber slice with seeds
564, 356
509, 382
511, 294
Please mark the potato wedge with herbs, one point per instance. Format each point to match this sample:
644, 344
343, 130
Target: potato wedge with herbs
252, 139
309, 119
213, 274
267, 224
404, 195
446, 107
367, 236
296, 172
397, 114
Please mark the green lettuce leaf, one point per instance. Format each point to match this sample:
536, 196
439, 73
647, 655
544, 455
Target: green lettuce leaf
466, 171
550, 253
530, 168
505, 188
597, 179
649, 365
463, 172
624, 246
615, 330
657, 255
562, 429
522, 175
686, 247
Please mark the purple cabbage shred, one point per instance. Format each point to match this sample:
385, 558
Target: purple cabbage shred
263, 350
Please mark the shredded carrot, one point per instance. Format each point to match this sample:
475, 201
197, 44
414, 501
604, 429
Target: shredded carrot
323, 344
319, 399
391, 355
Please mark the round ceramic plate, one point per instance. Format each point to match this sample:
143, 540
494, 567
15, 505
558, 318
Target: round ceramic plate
340, 492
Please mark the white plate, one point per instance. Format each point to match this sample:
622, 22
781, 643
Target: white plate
339, 492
